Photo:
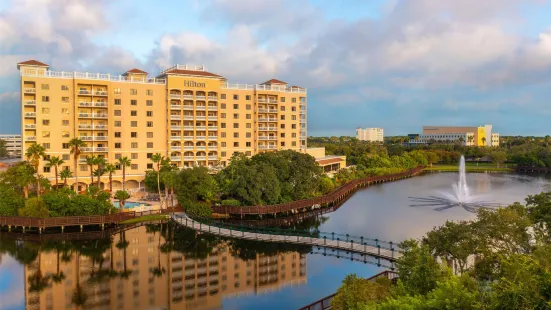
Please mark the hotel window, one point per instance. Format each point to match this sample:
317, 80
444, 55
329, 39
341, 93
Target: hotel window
46, 169
133, 91
282, 99
149, 113
45, 98
149, 166
133, 134
117, 123
133, 124
65, 134
248, 153
64, 87
294, 135
66, 156
294, 143
117, 102
236, 135
149, 155
149, 92
282, 117
83, 168
46, 122
45, 134
236, 144
293, 117
149, 103
235, 116
45, 110
235, 97
45, 86
46, 145
223, 145
248, 134
117, 91
248, 106
248, 125
222, 96
65, 146
236, 106
149, 124
223, 115
64, 111
149, 145
223, 135
133, 102
134, 167
117, 112
222, 106
134, 145
134, 156
133, 113
294, 109
294, 126
282, 135
248, 116
282, 108
64, 99
117, 134
150, 135
222, 125
248, 144
117, 145
294, 100
118, 155
223, 153
65, 122
235, 125
248, 97
282, 143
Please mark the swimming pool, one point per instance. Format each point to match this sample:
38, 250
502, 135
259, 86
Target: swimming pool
127, 205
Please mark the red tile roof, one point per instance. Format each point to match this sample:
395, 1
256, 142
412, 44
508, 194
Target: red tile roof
274, 81
136, 71
192, 72
323, 162
32, 63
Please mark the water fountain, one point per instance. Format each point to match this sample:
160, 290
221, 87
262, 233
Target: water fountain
459, 198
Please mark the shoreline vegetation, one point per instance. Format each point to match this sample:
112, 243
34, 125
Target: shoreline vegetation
146, 218
471, 168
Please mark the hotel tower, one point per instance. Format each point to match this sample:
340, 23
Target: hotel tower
190, 115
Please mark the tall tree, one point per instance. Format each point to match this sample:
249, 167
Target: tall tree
100, 162
110, 169
3, 148
124, 162
122, 196
34, 153
76, 144
157, 158
65, 174
91, 161
55, 162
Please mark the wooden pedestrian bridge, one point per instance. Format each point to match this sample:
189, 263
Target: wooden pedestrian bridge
380, 250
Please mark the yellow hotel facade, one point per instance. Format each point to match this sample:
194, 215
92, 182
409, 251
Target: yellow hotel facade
190, 115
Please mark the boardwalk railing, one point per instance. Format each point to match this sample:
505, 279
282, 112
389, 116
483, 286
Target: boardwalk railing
365, 246
533, 169
42, 223
325, 303
333, 197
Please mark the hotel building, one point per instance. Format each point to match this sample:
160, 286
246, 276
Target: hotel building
468, 136
370, 134
186, 113
13, 144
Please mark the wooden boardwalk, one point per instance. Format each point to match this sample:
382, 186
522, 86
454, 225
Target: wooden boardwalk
387, 253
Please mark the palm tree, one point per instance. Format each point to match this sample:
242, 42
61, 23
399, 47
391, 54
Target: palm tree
157, 159
110, 169
101, 162
483, 141
25, 177
75, 144
34, 153
65, 174
170, 179
124, 162
121, 196
91, 161
55, 162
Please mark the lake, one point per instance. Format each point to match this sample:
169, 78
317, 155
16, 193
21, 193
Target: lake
162, 266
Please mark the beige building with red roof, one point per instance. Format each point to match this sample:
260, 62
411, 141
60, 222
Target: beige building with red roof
186, 113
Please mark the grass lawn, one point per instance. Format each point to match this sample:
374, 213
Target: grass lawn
471, 167
146, 218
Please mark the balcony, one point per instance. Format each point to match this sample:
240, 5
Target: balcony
213, 108
267, 110
85, 104
94, 149
101, 93
176, 117
93, 138
262, 100
175, 107
175, 138
200, 97
175, 96
84, 92
188, 157
267, 128
30, 138
213, 118
200, 148
267, 119
213, 138
188, 97
213, 128
200, 128
29, 90
92, 115
188, 117
188, 127
200, 157
188, 138
175, 127
267, 138
201, 137
188, 107
267, 147
200, 108
201, 118
175, 148
272, 101
176, 158
213, 157
30, 126
188, 147
213, 98
30, 114
29, 102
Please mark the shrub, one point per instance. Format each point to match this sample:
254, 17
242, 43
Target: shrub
34, 207
197, 209
230, 202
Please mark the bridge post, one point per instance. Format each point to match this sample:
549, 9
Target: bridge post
324, 240
346, 237
392, 249
351, 245
62, 229
40, 230
23, 229
81, 228
338, 242
9, 228
332, 236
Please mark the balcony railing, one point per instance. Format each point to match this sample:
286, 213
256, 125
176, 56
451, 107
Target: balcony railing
176, 158
272, 101
29, 90
267, 110
213, 118
213, 108
92, 115
213, 98
188, 157
84, 92
175, 127
267, 138
175, 96
267, 128
30, 126
175, 138
200, 118
200, 148
30, 114
188, 138
188, 97
101, 93
200, 128
212, 138
188, 107
93, 138
188, 117
94, 149
213, 127
267, 147
175, 107
29, 102
175, 147
267, 119
188, 127
200, 97
188, 148
213, 157
201, 137
176, 117
200, 108
89, 76
30, 138
200, 157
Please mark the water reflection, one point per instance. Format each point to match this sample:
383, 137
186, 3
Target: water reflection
153, 266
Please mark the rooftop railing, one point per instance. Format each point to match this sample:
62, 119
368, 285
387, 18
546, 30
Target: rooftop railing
90, 76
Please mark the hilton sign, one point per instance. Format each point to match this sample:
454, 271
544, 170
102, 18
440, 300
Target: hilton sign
193, 84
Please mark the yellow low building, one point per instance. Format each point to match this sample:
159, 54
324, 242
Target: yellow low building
331, 163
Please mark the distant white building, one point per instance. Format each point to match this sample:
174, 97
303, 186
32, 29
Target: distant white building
13, 144
370, 134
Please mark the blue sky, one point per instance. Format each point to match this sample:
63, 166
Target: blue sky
386, 63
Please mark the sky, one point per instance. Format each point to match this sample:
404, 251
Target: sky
395, 64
